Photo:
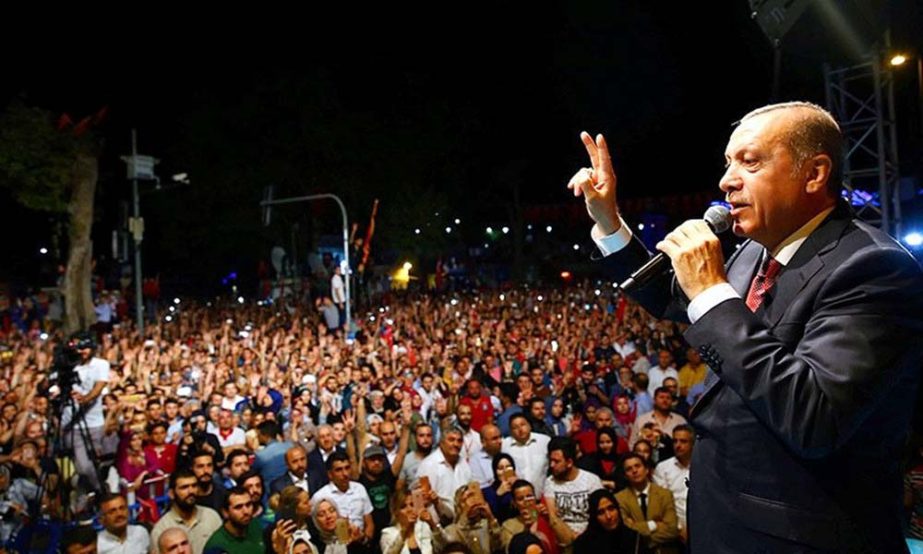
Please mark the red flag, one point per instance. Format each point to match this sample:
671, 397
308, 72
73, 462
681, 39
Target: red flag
620, 309
64, 121
367, 245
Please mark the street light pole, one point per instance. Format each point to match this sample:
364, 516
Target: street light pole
138, 236
139, 167
335, 198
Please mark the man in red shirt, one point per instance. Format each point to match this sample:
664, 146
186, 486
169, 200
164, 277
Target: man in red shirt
482, 411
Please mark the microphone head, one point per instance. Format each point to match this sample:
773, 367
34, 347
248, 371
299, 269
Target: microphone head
718, 218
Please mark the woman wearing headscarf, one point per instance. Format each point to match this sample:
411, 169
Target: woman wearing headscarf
624, 414
604, 463
605, 531
499, 494
133, 466
557, 419
327, 540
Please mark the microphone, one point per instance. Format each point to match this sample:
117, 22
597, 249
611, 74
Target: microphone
718, 219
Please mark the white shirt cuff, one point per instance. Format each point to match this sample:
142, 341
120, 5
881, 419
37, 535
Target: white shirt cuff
652, 525
708, 299
610, 244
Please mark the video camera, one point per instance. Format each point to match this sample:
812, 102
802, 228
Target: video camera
67, 357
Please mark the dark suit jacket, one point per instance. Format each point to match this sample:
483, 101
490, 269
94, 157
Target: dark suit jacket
285, 481
809, 399
317, 471
661, 509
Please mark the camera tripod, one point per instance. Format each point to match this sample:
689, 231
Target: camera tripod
58, 467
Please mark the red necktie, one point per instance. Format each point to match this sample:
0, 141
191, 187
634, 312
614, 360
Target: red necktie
763, 281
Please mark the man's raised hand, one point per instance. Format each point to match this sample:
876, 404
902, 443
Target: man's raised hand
597, 184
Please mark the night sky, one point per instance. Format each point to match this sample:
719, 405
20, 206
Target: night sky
460, 101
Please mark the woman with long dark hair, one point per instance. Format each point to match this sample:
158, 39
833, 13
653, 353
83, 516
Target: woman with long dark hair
604, 463
605, 531
499, 494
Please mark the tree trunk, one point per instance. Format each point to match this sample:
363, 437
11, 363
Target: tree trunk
79, 311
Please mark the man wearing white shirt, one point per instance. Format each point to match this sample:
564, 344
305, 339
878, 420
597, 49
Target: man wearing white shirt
471, 440
568, 488
622, 345
231, 398
117, 536
428, 392
529, 450
446, 471
92, 378
338, 292
481, 461
387, 432
661, 371
230, 437
350, 497
673, 473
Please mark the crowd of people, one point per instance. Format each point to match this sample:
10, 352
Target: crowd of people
514, 421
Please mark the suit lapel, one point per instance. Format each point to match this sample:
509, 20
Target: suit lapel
808, 260
742, 268
633, 506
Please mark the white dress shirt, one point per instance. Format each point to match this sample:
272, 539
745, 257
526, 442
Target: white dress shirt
531, 458
300, 482
471, 444
482, 467
716, 294
671, 475
443, 478
353, 504
137, 541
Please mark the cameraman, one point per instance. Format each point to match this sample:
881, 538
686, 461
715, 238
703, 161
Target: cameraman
91, 378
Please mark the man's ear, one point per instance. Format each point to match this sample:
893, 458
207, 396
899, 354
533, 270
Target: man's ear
818, 170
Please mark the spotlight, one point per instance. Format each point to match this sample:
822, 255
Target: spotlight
913, 239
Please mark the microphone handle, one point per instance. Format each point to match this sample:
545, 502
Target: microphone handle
657, 265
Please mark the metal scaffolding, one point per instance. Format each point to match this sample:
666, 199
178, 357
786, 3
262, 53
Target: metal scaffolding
861, 98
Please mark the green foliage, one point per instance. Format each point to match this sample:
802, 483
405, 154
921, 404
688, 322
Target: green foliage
36, 160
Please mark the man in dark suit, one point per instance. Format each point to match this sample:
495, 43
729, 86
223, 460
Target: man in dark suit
296, 460
811, 331
317, 459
